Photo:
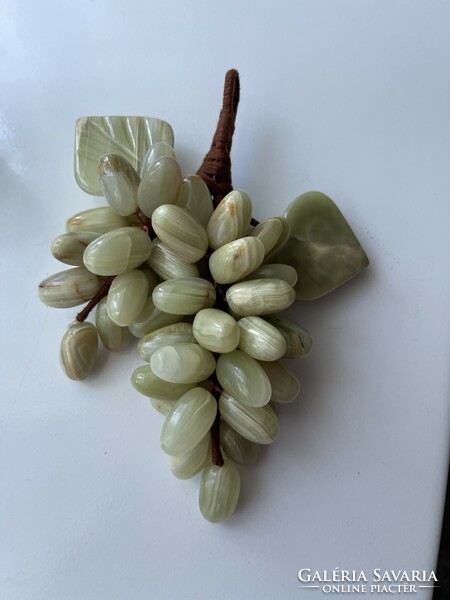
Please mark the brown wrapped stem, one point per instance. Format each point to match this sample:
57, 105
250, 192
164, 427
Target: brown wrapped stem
216, 167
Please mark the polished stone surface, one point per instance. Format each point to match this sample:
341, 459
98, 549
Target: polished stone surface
114, 337
257, 424
182, 363
322, 246
187, 464
145, 381
156, 150
78, 350
237, 447
180, 232
68, 288
120, 182
169, 265
151, 319
178, 333
235, 260
159, 185
219, 491
260, 297
230, 220
242, 377
260, 340
117, 251
69, 247
98, 220
188, 422
130, 137
195, 197
184, 296
126, 297
215, 330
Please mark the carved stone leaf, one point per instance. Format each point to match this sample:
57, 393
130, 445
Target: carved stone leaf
129, 137
322, 247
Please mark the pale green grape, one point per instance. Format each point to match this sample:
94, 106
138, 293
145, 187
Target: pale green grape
119, 183
260, 340
114, 337
117, 251
282, 240
145, 381
237, 447
219, 491
257, 424
97, 220
169, 265
275, 271
78, 350
156, 151
285, 385
69, 247
186, 465
268, 232
184, 296
235, 260
178, 333
180, 232
230, 220
194, 196
126, 297
151, 319
260, 297
162, 406
188, 422
243, 378
215, 330
298, 341
68, 288
160, 185
182, 363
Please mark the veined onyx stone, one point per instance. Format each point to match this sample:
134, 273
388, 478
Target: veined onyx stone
129, 137
322, 247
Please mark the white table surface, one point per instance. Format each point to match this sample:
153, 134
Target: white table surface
351, 98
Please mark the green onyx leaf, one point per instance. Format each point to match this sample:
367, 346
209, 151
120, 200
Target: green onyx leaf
129, 137
322, 247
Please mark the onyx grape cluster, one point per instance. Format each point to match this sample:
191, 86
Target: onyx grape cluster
201, 289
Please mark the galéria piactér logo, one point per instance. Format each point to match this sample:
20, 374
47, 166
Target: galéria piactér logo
378, 581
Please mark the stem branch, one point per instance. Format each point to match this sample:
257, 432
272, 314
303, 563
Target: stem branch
102, 292
216, 454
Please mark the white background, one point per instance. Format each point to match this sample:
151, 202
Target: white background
348, 97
